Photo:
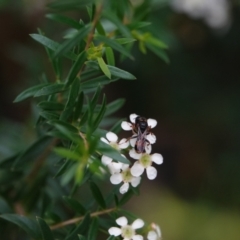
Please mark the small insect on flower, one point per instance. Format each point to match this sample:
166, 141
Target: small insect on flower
141, 128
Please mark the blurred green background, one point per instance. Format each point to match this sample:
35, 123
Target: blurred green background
195, 100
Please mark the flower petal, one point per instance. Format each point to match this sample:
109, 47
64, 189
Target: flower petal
124, 143
137, 237
125, 166
104, 140
148, 148
114, 167
135, 181
137, 169
106, 160
133, 140
133, 154
152, 122
133, 117
151, 138
115, 231
122, 221
116, 178
124, 188
126, 126
138, 223
152, 235
157, 158
151, 172
111, 137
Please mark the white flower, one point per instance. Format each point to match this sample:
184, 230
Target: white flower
126, 177
145, 161
127, 126
155, 233
127, 231
112, 139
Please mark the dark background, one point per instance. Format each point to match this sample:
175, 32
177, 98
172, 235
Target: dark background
195, 100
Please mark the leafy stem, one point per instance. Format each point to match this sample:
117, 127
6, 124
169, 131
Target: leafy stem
78, 219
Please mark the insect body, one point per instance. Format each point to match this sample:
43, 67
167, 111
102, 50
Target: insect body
142, 129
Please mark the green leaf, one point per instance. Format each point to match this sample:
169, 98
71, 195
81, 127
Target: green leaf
64, 5
94, 83
63, 19
93, 230
80, 229
114, 44
159, 52
109, 151
78, 106
104, 67
49, 115
66, 129
33, 152
75, 205
114, 19
156, 42
114, 106
95, 97
70, 43
49, 43
125, 40
100, 114
67, 153
97, 195
76, 68
100, 29
63, 168
30, 92
116, 128
45, 230
110, 56
50, 105
28, 225
51, 89
114, 71
137, 25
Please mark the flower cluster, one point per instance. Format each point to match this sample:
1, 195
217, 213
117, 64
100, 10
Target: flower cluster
141, 146
128, 232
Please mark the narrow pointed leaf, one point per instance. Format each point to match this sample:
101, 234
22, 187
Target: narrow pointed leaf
93, 230
49, 43
100, 114
49, 90
159, 52
28, 225
33, 152
30, 92
75, 205
97, 195
67, 153
45, 230
110, 56
70, 43
50, 105
104, 67
76, 68
63, 19
114, 44
117, 72
80, 229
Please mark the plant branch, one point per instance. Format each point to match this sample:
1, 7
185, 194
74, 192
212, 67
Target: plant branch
78, 219
91, 34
